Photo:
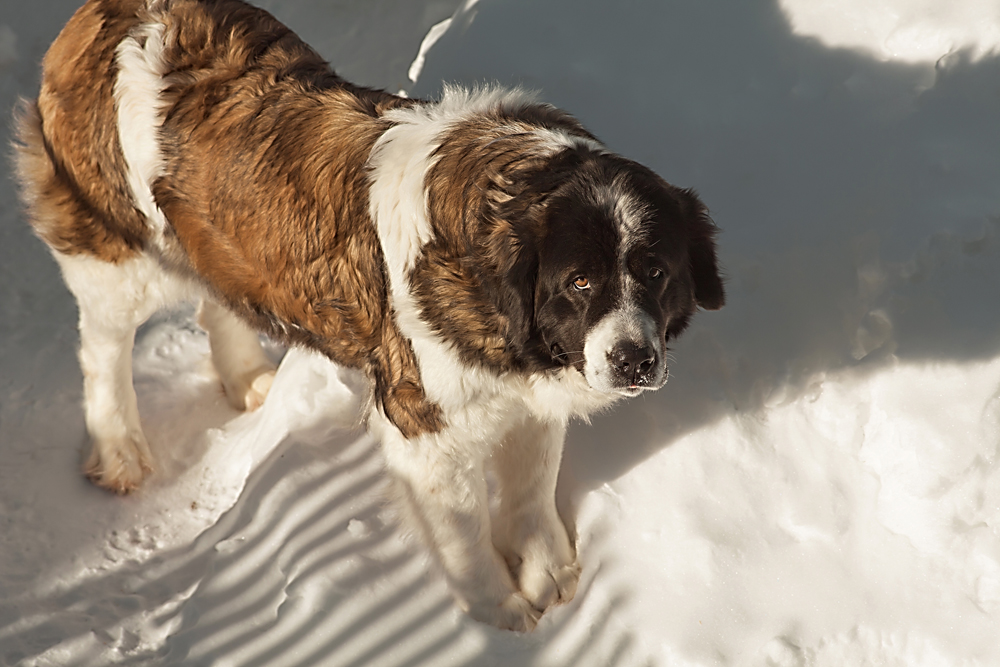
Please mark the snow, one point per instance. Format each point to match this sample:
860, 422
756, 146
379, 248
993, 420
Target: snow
918, 30
818, 484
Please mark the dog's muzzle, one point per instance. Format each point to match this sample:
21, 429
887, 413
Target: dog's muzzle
623, 353
633, 365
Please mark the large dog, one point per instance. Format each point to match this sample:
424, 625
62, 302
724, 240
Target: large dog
490, 266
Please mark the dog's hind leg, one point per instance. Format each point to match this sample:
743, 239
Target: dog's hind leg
244, 369
114, 299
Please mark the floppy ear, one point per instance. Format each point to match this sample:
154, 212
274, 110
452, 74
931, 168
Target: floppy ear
708, 290
510, 238
511, 250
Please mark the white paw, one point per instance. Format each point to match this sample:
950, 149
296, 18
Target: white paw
248, 391
119, 464
541, 558
545, 583
513, 613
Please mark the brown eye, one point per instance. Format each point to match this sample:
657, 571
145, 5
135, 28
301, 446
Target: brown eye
655, 274
581, 283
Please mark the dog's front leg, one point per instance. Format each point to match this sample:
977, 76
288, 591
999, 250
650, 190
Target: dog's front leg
527, 528
443, 485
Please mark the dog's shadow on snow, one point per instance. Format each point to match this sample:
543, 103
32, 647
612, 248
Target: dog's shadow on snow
308, 567
295, 572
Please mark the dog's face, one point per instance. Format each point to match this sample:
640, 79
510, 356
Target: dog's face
624, 262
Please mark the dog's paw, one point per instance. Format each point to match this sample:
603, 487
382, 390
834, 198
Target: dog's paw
119, 464
248, 391
541, 558
544, 583
513, 613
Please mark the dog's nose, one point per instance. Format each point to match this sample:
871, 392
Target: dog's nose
633, 362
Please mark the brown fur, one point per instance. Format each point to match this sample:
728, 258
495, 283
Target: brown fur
257, 130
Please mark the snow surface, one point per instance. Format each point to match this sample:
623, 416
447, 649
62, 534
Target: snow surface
818, 485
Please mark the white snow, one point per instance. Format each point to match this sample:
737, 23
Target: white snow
906, 30
818, 484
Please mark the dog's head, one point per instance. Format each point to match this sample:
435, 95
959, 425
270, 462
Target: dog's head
613, 262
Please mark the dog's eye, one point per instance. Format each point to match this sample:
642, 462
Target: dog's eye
581, 283
655, 273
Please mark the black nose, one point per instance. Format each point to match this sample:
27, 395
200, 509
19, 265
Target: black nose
633, 362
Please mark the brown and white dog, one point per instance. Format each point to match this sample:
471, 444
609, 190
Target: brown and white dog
490, 266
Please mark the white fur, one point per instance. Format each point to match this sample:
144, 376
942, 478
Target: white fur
557, 140
627, 323
114, 300
139, 103
245, 371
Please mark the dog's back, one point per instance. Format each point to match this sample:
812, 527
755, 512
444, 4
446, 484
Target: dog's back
125, 136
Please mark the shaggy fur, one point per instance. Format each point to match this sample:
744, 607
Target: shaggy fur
489, 265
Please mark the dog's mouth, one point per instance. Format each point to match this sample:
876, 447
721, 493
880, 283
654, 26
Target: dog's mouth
563, 358
558, 355
637, 387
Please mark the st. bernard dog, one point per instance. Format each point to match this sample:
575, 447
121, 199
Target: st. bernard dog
483, 259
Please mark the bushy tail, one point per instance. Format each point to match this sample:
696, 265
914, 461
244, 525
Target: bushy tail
33, 169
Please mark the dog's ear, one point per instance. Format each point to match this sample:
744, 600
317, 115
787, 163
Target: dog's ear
518, 202
708, 289
511, 250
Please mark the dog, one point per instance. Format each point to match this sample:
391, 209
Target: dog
483, 259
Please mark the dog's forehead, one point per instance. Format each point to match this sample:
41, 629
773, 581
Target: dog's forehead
643, 215
614, 214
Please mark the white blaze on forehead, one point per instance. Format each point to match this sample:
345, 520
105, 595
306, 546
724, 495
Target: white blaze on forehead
627, 323
628, 211
140, 105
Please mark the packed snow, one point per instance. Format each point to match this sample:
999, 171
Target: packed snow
817, 485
